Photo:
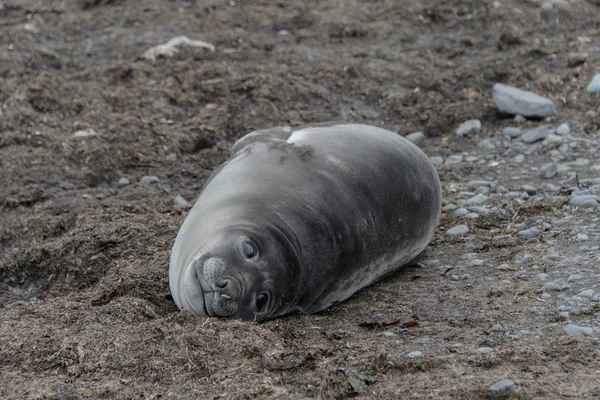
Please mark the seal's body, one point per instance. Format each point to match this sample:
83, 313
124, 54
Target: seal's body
300, 219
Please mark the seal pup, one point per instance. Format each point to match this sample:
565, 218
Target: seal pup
300, 219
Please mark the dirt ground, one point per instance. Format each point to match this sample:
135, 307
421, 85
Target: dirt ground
84, 306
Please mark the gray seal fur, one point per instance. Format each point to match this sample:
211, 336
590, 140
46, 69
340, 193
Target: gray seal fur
300, 219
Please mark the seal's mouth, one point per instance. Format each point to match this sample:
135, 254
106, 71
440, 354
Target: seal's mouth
194, 297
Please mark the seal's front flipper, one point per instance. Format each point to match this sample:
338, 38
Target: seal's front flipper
271, 135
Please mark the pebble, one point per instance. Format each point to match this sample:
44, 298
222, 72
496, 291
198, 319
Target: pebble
552, 139
478, 184
588, 293
416, 137
501, 190
472, 215
470, 127
172, 157
548, 170
123, 182
475, 263
437, 160
520, 119
512, 100
531, 190
581, 237
579, 200
542, 276
575, 330
550, 287
414, 354
536, 134
449, 207
528, 233
487, 144
454, 159
149, 179
522, 257
485, 350
461, 212
458, 230
511, 132
502, 388
594, 85
477, 199
180, 203
482, 190
563, 129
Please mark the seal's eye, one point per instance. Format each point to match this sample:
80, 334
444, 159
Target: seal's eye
262, 299
249, 250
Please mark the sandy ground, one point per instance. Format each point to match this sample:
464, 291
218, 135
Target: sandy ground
84, 305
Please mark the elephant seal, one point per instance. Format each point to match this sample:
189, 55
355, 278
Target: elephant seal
300, 219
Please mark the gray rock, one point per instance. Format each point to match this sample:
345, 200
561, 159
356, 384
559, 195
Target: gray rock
472, 215
522, 257
461, 212
486, 144
123, 182
475, 263
172, 157
485, 350
581, 237
478, 184
149, 180
562, 4
542, 276
528, 233
520, 119
575, 330
416, 137
437, 160
414, 354
588, 293
502, 389
511, 100
539, 133
531, 190
594, 85
180, 203
551, 287
482, 190
455, 159
458, 230
449, 207
470, 127
477, 199
501, 190
511, 132
355, 384
563, 129
579, 200
548, 170
552, 140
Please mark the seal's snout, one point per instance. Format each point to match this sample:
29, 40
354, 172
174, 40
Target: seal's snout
228, 288
220, 290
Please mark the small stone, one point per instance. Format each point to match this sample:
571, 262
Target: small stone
511, 132
501, 190
482, 190
519, 158
546, 296
562, 4
548, 170
563, 129
84, 133
354, 383
455, 159
449, 207
478, 184
149, 180
180, 203
172, 157
511, 100
470, 127
563, 315
123, 182
536, 134
497, 328
477, 199
528, 233
531, 190
594, 85
461, 212
542, 276
486, 144
472, 215
579, 200
458, 230
475, 263
546, 6
575, 330
485, 350
552, 140
437, 160
416, 137
588, 294
581, 237
550, 287
520, 119
502, 388
522, 257
414, 354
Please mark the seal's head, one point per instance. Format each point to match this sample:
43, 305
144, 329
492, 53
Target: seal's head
240, 274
